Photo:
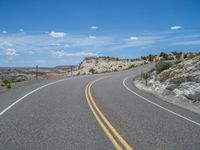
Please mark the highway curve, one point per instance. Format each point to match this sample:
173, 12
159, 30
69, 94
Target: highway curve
102, 111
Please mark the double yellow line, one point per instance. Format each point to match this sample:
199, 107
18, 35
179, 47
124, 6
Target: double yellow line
109, 130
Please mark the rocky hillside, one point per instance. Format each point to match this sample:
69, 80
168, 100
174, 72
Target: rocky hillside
92, 65
179, 84
183, 79
180, 81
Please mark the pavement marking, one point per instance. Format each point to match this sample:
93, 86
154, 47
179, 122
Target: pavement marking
102, 120
33, 91
168, 110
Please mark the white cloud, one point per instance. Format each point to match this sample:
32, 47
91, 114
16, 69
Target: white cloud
94, 27
57, 34
4, 32
11, 52
142, 41
75, 54
92, 37
133, 38
176, 27
78, 46
21, 30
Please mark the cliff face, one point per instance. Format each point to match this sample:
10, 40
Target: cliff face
92, 65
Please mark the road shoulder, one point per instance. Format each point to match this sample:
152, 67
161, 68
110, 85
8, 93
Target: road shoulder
194, 107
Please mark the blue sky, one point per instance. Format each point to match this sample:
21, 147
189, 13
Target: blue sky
60, 32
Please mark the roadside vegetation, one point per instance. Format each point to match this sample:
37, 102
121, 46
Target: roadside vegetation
161, 65
7, 83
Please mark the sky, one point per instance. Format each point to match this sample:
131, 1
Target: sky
62, 32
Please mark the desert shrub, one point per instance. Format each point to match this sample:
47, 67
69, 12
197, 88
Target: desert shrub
115, 70
185, 56
170, 57
164, 55
92, 70
177, 62
7, 83
177, 54
151, 57
160, 66
191, 55
131, 66
143, 57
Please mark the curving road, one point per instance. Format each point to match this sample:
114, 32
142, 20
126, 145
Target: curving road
103, 111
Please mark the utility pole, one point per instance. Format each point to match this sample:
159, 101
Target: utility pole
71, 70
36, 72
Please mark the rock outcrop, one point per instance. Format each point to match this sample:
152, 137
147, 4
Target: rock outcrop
181, 80
91, 65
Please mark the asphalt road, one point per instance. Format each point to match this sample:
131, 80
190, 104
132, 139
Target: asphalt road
103, 111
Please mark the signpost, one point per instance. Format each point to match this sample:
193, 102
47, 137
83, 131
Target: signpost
36, 72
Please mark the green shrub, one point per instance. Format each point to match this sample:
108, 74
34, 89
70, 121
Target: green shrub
191, 55
177, 62
160, 66
177, 54
151, 57
92, 70
185, 56
7, 83
8, 86
164, 55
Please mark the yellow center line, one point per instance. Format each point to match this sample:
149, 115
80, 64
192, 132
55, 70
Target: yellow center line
92, 103
107, 132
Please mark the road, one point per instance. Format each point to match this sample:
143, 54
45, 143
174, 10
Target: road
103, 111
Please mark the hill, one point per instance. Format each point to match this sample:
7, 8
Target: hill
92, 65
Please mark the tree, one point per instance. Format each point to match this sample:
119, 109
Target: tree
185, 56
143, 57
151, 57
164, 55
177, 54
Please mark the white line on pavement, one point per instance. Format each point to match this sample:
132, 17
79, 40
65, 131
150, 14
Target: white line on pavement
33, 91
170, 111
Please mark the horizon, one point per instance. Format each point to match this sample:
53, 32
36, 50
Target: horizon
188, 52
50, 33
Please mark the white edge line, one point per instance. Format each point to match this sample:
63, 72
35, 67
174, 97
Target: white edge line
170, 111
33, 91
